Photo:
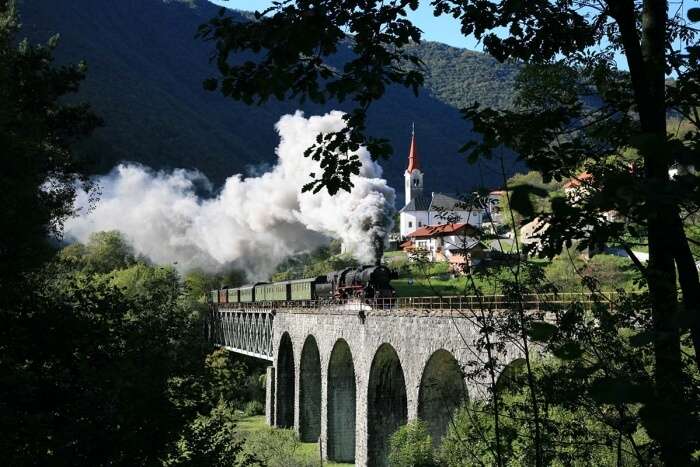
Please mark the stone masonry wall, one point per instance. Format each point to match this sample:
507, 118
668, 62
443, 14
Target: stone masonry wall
414, 336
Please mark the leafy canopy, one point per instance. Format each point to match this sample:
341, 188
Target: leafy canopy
38, 130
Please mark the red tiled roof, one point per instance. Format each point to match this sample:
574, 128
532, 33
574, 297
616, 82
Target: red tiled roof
438, 230
578, 180
406, 245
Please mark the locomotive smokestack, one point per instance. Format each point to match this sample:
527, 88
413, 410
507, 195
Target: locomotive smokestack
378, 242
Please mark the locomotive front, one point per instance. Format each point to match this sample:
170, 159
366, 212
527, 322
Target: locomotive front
378, 280
364, 282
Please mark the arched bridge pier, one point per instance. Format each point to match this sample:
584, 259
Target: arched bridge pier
349, 375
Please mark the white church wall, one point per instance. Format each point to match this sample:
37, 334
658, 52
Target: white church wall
474, 218
413, 220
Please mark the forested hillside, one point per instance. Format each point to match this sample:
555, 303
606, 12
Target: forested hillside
460, 77
145, 80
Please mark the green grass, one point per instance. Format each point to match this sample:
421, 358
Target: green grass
310, 451
428, 288
435, 280
248, 425
395, 253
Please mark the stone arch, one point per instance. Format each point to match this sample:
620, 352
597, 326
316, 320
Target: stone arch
285, 383
442, 391
511, 374
310, 392
341, 404
387, 407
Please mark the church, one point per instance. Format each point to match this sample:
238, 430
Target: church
423, 210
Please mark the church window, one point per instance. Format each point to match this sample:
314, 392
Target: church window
420, 224
410, 224
415, 182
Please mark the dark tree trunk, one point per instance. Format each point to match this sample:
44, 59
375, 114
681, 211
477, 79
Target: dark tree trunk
690, 284
647, 63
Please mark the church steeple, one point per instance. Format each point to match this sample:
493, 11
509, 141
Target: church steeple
413, 162
413, 176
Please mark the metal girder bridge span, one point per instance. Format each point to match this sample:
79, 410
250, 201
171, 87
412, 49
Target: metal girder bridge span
247, 332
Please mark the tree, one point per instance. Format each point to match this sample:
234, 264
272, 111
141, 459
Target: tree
103, 253
89, 373
111, 368
576, 111
209, 441
102, 359
411, 446
38, 129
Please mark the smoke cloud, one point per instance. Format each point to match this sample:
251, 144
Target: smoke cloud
252, 223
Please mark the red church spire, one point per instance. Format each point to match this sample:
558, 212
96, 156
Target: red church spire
413, 163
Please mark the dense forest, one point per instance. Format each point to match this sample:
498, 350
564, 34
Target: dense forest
145, 81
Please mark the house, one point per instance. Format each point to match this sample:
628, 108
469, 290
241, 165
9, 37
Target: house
577, 189
437, 208
493, 206
578, 186
445, 242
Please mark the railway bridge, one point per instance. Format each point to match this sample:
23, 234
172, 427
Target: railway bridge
347, 375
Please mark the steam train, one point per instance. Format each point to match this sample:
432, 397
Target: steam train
364, 282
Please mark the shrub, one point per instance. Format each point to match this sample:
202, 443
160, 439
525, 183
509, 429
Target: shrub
273, 447
562, 271
612, 271
460, 448
210, 440
571, 436
411, 446
227, 377
253, 390
253, 408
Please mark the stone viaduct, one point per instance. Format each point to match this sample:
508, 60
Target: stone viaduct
348, 376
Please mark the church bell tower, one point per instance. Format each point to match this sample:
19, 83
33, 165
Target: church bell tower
413, 177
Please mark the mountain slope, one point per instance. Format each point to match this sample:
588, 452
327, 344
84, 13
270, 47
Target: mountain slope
145, 75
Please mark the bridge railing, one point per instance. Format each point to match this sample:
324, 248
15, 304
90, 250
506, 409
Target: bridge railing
464, 302
467, 302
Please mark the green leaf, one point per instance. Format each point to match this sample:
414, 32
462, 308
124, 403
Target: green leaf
618, 391
511, 374
210, 84
694, 14
568, 351
520, 198
641, 339
541, 331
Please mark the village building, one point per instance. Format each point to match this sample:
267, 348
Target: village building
434, 209
454, 242
493, 206
579, 186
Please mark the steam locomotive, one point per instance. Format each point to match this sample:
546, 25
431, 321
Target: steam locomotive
364, 282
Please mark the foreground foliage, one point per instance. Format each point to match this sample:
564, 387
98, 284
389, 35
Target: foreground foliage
411, 446
38, 131
112, 368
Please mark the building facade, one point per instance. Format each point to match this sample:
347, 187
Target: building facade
445, 242
433, 209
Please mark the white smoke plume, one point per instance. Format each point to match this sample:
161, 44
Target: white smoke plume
253, 223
